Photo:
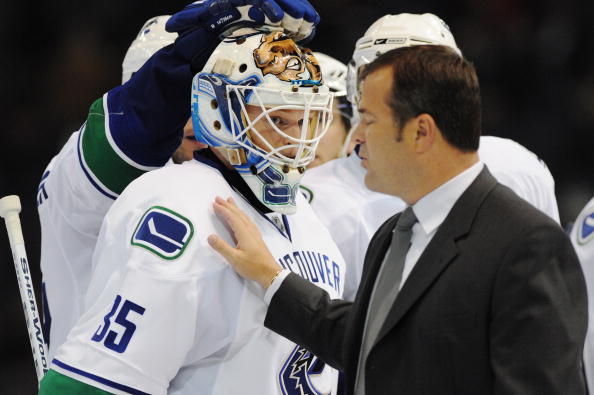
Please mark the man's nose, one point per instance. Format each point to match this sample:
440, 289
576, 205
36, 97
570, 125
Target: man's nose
358, 133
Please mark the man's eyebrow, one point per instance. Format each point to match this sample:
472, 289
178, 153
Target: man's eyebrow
364, 111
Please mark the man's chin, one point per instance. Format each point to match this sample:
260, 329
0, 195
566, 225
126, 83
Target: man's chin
370, 182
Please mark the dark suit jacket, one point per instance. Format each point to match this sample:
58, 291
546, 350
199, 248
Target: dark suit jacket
496, 304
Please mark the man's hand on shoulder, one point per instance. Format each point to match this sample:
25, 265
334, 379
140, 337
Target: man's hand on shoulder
296, 17
250, 258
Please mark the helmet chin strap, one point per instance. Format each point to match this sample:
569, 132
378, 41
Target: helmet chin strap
236, 156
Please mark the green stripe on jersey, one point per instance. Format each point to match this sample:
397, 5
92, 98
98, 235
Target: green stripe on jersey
54, 383
100, 158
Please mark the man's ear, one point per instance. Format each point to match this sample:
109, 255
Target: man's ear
425, 132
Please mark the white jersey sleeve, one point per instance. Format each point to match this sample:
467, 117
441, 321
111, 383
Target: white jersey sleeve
166, 314
582, 237
522, 171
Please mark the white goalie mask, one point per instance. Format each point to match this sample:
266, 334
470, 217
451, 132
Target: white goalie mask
151, 38
396, 31
334, 73
261, 99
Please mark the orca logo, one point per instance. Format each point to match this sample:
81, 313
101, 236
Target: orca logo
163, 232
275, 192
303, 374
586, 230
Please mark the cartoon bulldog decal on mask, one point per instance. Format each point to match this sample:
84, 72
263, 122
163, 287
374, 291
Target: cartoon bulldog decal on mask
280, 56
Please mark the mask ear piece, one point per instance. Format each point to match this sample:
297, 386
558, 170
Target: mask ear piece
223, 66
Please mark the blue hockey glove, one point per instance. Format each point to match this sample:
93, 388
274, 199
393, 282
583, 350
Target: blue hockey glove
296, 17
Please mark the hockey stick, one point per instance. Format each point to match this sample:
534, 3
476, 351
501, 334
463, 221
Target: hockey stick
10, 207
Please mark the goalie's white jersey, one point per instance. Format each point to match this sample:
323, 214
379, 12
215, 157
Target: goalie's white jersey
352, 213
582, 237
166, 314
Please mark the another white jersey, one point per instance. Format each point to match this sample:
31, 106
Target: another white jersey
70, 212
77, 188
166, 313
352, 213
582, 237
522, 171
336, 190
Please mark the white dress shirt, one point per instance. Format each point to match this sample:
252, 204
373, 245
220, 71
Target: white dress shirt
431, 210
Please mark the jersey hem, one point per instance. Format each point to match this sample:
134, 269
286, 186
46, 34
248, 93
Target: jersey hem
98, 379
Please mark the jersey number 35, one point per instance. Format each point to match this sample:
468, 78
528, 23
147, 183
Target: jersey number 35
110, 337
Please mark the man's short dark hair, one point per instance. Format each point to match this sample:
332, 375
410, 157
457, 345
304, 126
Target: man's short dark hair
434, 80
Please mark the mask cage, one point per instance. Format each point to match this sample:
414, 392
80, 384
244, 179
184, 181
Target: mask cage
316, 107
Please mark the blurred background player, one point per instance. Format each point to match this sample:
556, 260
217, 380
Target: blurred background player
166, 314
334, 144
582, 237
132, 129
336, 190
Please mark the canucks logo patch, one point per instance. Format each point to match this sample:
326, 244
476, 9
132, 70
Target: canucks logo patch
163, 232
586, 229
304, 374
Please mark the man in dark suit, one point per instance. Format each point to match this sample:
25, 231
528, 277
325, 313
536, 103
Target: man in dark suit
471, 291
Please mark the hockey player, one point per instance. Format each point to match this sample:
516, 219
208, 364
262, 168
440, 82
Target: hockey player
334, 144
165, 313
354, 218
132, 129
582, 237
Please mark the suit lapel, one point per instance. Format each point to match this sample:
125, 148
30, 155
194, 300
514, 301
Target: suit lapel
373, 259
376, 251
441, 250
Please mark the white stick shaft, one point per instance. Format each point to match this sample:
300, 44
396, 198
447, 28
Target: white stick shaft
21, 265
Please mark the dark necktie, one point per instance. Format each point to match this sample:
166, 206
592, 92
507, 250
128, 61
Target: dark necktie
386, 289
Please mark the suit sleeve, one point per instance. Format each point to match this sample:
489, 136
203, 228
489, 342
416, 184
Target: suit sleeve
305, 314
539, 317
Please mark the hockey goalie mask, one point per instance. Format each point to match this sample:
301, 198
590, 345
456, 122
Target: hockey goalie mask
261, 98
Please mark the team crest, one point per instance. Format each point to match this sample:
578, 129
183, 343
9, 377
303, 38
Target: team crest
585, 231
163, 232
303, 374
280, 56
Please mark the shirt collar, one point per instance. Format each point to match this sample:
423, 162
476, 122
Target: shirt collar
432, 209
